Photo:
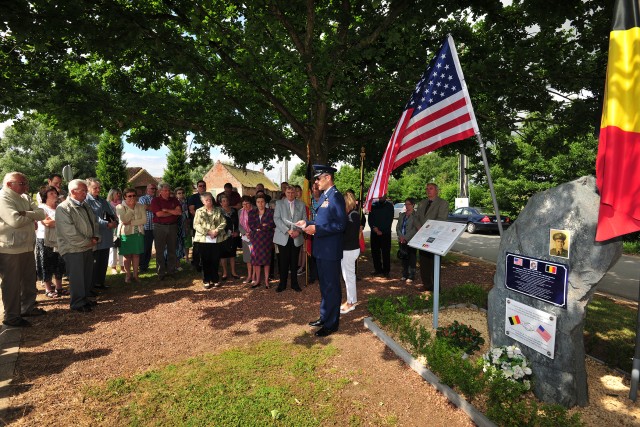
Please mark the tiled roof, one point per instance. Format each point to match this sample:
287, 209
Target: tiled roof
250, 178
139, 177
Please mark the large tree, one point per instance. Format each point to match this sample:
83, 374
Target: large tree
36, 149
267, 79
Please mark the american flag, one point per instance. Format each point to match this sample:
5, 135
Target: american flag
438, 113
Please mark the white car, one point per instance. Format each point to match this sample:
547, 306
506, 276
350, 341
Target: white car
397, 209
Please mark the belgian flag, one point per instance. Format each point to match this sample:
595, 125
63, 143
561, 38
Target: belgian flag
618, 161
306, 186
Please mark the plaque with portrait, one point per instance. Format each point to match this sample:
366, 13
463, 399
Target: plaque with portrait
559, 243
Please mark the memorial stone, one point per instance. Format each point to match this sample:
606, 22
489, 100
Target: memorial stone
572, 206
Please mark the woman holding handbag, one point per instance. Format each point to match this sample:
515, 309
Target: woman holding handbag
408, 225
229, 251
132, 216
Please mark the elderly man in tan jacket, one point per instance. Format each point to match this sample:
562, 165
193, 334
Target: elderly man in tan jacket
78, 236
18, 215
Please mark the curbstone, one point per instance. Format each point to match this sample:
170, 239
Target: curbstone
476, 416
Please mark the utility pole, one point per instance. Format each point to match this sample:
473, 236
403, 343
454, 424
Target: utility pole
463, 178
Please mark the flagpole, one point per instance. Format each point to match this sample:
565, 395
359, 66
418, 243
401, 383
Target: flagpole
360, 203
491, 190
362, 156
635, 366
306, 258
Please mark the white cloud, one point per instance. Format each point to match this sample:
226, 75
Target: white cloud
154, 163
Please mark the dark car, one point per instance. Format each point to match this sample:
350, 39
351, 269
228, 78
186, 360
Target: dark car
478, 219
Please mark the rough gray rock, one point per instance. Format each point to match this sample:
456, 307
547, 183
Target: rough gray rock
571, 206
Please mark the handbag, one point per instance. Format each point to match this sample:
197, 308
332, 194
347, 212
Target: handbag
117, 243
228, 247
403, 252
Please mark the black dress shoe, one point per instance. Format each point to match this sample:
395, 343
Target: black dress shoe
19, 323
325, 332
91, 303
83, 309
102, 286
34, 312
280, 288
297, 288
318, 322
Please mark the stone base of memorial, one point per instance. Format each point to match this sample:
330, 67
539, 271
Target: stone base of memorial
545, 317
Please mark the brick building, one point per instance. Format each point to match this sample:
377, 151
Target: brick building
139, 178
243, 180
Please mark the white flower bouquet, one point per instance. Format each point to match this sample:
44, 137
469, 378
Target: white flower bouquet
509, 362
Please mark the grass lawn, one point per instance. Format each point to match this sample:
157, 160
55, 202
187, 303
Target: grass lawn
610, 331
267, 384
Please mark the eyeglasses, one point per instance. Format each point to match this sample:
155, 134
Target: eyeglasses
19, 182
78, 190
318, 177
130, 195
201, 185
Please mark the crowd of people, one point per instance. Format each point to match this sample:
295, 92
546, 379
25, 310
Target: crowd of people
82, 235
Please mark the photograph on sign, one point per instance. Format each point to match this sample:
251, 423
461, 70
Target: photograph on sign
532, 327
559, 243
544, 280
437, 236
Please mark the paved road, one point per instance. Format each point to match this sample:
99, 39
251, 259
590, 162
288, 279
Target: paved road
622, 280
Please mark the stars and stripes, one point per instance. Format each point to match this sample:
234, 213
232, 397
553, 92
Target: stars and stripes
438, 113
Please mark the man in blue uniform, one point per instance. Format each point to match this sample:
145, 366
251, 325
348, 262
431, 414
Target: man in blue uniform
327, 230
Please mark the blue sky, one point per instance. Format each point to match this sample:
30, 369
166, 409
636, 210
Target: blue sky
155, 161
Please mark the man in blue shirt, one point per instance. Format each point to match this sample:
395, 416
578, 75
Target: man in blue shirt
327, 230
145, 200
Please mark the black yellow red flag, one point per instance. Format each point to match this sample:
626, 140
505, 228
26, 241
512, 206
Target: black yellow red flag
618, 161
306, 186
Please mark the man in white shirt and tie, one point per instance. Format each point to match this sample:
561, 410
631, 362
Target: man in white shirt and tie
288, 237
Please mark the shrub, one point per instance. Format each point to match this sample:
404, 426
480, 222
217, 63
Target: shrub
461, 336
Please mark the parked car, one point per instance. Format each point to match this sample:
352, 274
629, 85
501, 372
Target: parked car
398, 208
478, 219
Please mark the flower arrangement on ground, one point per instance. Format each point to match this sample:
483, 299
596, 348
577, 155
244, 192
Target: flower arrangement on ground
509, 362
462, 336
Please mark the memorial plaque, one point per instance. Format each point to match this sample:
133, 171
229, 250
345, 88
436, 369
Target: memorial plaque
544, 280
437, 236
532, 327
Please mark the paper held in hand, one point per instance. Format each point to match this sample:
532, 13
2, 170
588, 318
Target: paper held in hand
293, 224
437, 236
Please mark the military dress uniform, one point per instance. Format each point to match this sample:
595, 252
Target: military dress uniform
330, 221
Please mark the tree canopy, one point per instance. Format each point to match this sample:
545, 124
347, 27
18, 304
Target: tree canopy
264, 79
37, 150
